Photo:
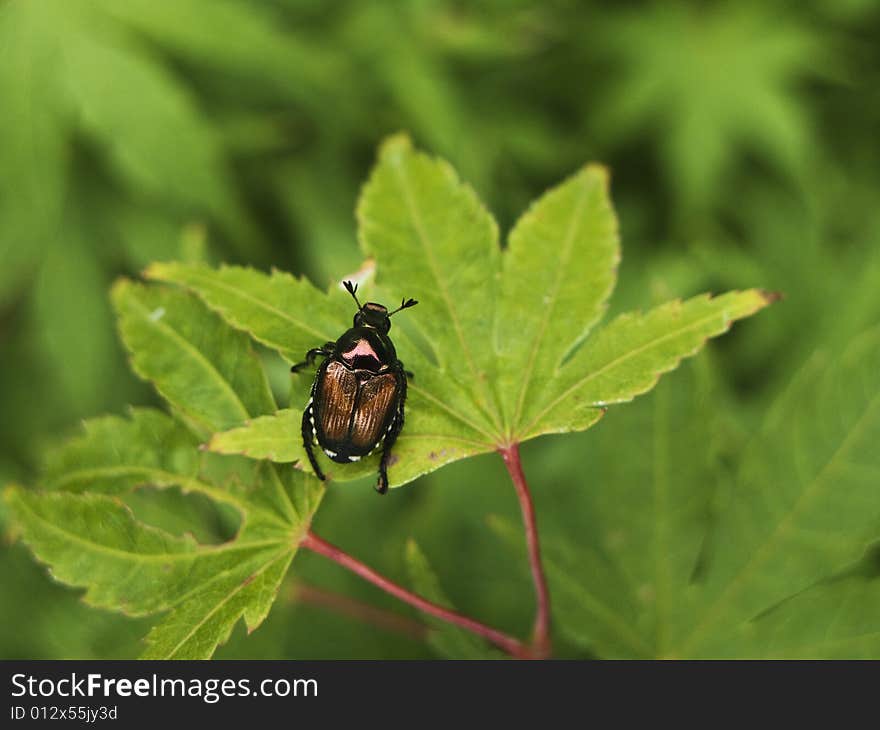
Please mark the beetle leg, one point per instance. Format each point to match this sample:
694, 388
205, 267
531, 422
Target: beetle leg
393, 432
324, 351
308, 425
409, 373
390, 438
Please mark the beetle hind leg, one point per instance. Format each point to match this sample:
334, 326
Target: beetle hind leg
390, 438
308, 434
382, 483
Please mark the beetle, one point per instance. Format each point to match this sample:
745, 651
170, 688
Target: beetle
358, 395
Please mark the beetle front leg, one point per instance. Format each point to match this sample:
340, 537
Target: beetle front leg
324, 351
308, 434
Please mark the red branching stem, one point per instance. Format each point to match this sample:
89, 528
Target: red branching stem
358, 610
507, 643
541, 632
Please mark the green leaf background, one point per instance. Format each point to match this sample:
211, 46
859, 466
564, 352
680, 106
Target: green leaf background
236, 132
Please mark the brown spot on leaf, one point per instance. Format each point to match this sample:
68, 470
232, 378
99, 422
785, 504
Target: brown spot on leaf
393, 459
772, 296
248, 580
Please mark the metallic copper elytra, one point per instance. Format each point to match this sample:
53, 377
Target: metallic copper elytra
376, 403
336, 395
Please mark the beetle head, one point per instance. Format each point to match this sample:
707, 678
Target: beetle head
373, 314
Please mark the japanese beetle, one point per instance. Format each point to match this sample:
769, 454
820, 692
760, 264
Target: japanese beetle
359, 392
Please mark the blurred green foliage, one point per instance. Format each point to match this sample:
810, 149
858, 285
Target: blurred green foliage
742, 143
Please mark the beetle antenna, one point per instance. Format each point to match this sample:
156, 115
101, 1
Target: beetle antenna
404, 304
352, 288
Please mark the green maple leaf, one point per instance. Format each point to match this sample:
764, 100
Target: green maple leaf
498, 342
448, 641
79, 526
686, 560
711, 81
502, 345
80, 74
70, 68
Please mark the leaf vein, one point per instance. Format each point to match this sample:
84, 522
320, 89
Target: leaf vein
241, 586
199, 357
782, 528
561, 269
216, 281
441, 287
616, 361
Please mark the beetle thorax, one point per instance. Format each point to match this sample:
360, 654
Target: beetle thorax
362, 349
362, 355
